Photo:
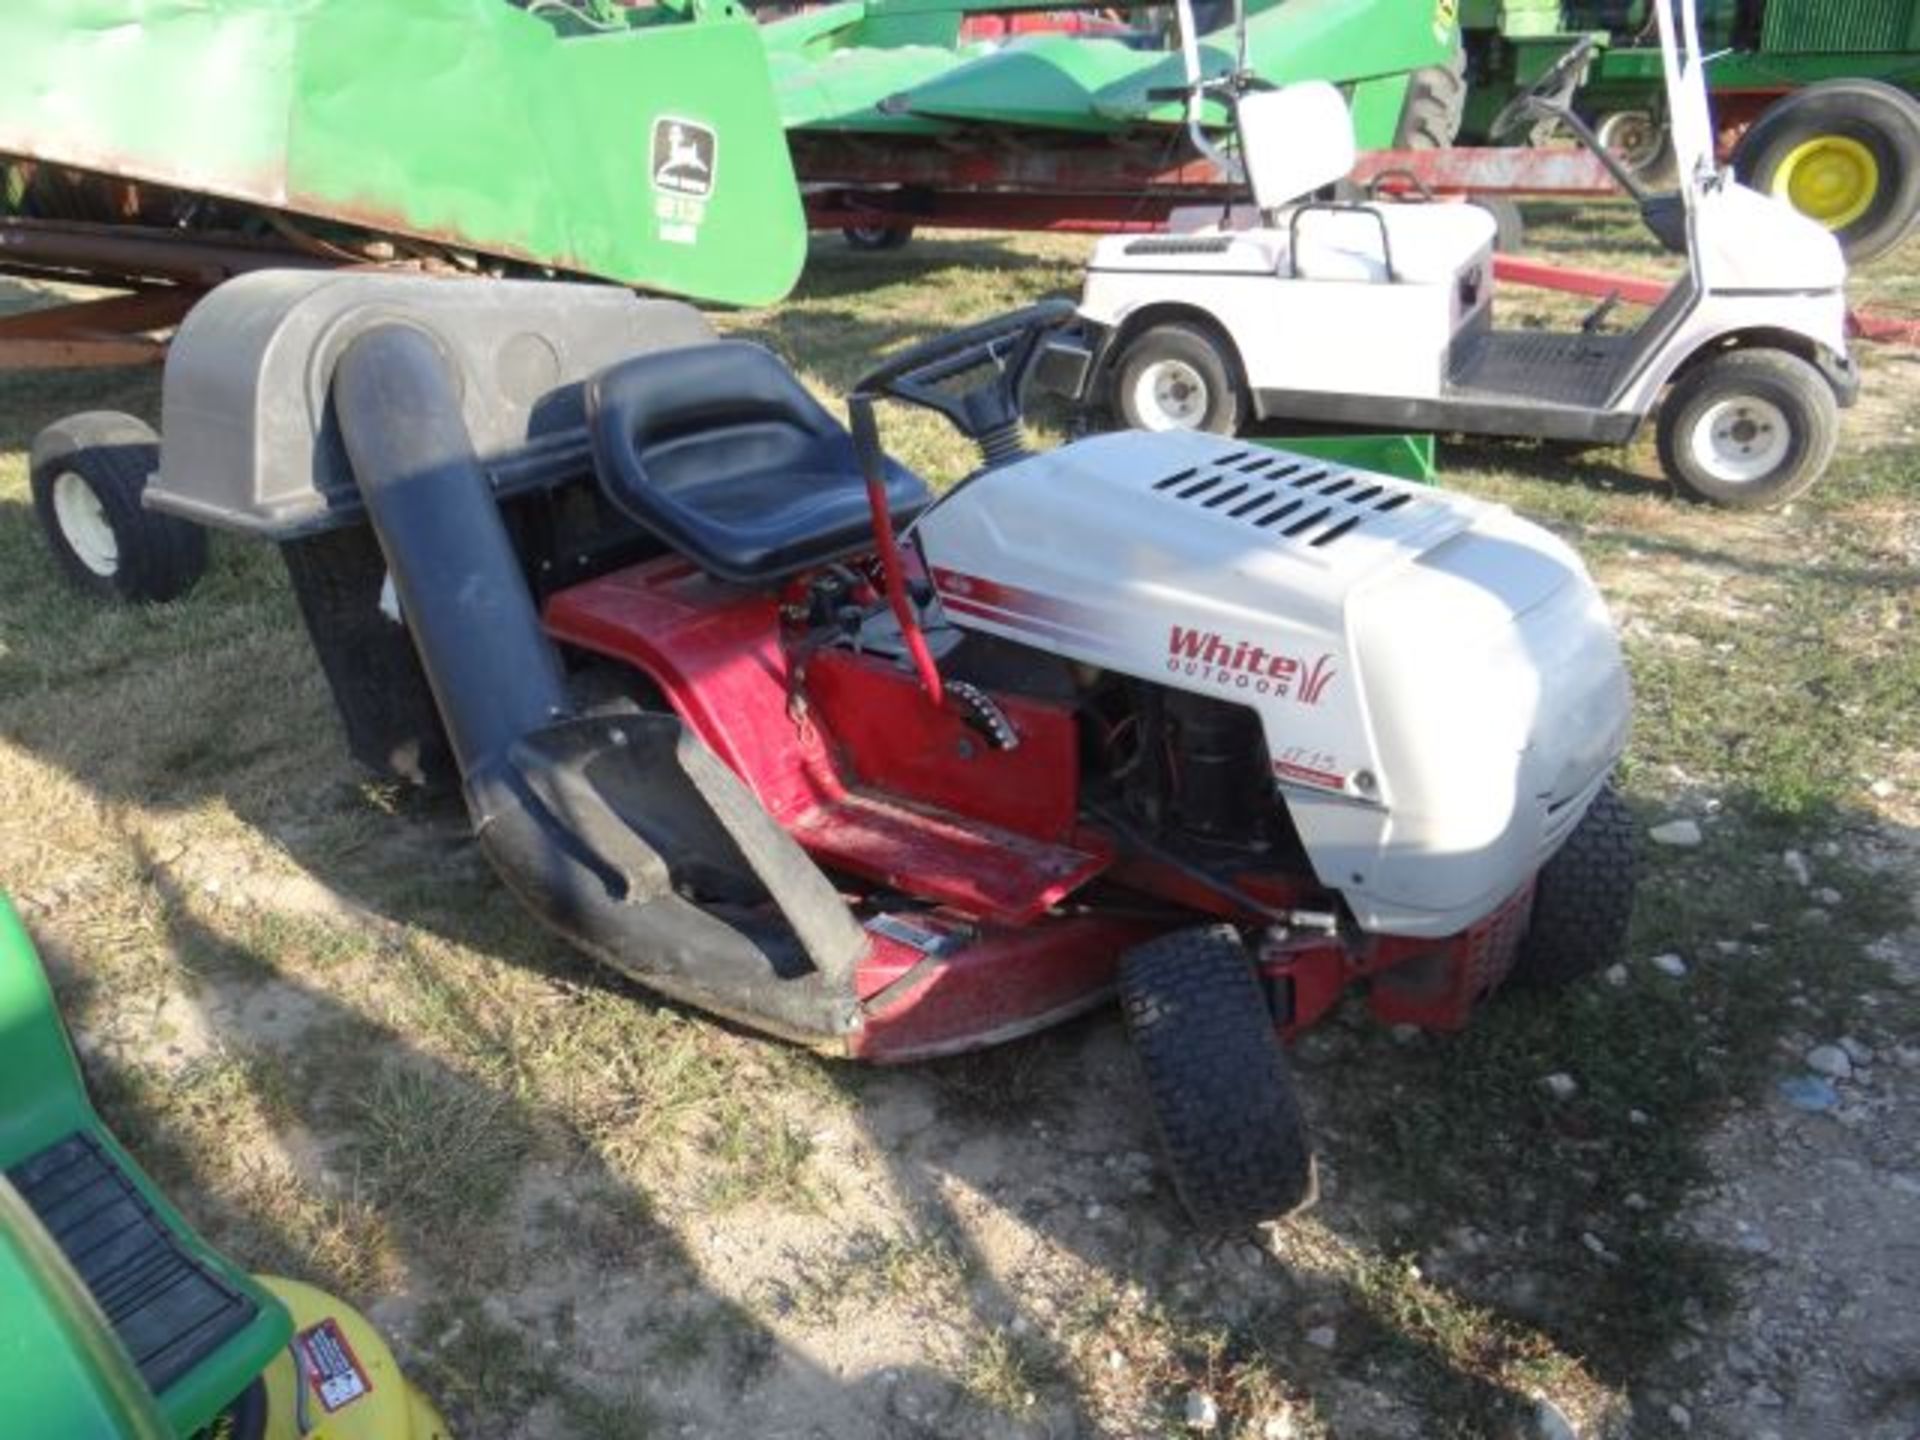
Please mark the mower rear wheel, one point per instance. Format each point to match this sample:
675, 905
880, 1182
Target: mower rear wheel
1749, 429
1222, 1097
87, 475
1178, 376
1583, 898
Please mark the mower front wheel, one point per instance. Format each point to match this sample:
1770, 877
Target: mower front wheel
1583, 898
1749, 429
87, 474
1178, 376
1221, 1094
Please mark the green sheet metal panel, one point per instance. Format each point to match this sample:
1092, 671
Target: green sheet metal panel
1049, 81
465, 122
42, 1099
1801, 27
1339, 40
64, 1373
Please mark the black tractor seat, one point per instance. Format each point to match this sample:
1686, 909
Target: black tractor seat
721, 452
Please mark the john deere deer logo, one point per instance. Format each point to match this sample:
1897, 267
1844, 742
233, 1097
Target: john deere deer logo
684, 157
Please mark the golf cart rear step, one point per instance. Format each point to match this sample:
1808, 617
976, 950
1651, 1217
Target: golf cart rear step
168, 1308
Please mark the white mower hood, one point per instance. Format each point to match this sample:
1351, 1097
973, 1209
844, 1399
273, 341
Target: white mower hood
1439, 682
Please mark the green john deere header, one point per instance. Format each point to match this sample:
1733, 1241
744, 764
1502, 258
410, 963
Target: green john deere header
641, 146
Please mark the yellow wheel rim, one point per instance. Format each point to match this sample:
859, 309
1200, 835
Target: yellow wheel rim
1831, 177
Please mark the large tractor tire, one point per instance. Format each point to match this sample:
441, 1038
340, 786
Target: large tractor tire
1221, 1094
1846, 153
1436, 102
1583, 899
87, 475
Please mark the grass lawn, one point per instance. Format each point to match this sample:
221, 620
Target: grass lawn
581, 1211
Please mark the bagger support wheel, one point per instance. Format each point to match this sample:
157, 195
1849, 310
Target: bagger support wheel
87, 475
1846, 153
1749, 429
1178, 376
1583, 898
1222, 1097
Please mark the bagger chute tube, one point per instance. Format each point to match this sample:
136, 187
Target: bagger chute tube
744, 710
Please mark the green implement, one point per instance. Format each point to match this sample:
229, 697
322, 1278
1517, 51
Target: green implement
101, 1281
911, 66
638, 146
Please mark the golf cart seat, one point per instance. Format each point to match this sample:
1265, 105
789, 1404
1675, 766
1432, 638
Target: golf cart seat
1297, 141
720, 451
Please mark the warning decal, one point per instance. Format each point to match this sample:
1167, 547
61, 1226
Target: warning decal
333, 1370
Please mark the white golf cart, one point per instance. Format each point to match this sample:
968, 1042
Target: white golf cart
1380, 315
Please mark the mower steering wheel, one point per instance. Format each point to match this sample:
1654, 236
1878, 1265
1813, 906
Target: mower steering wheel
1006, 345
1551, 95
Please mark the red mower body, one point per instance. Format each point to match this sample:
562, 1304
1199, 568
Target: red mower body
1031, 904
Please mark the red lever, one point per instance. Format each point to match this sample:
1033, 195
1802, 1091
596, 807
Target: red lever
866, 446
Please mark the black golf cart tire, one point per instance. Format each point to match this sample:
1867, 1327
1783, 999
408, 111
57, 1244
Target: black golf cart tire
872, 239
1884, 119
1583, 898
1197, 346
1786, 382
1222, 1098
156, 557
1436, 103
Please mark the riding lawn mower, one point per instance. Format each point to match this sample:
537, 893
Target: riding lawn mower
741, 708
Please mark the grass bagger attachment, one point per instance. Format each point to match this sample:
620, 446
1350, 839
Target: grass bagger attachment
739, 707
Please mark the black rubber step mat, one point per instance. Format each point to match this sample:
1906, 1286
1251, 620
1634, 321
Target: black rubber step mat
168, 1308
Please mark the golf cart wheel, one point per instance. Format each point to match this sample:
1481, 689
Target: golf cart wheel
1178, 376
88, 472
1846, 153
1436, 102
1509, 222
1749, 429
1221, 1095
872, 238
1583, 898
1640, 141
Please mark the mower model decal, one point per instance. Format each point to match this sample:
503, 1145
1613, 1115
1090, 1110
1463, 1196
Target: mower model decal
1208, 655
1307, 775
331, 1367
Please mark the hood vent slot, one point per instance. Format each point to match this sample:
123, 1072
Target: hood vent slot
1287, 499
